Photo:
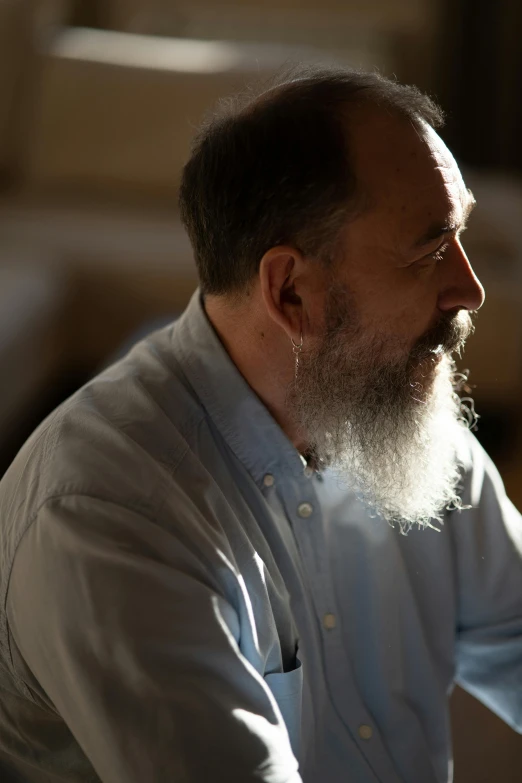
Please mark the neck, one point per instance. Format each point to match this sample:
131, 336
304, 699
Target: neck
263, 355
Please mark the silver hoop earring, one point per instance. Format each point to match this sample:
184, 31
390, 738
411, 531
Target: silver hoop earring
296, 349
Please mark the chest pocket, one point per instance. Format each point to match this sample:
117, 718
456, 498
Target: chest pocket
287, 689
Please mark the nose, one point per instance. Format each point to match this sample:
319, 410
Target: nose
460, 287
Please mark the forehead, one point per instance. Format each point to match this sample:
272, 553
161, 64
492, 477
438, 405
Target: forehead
406, 174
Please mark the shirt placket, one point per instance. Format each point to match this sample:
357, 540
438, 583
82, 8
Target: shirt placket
306, 519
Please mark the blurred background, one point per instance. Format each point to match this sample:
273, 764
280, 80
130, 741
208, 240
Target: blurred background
98, 103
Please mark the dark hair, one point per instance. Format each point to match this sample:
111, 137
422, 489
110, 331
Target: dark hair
273, 168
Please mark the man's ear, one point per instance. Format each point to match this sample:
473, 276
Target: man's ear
281, 274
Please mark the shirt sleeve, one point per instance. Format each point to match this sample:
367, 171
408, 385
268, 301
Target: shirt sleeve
489, 578
130, 636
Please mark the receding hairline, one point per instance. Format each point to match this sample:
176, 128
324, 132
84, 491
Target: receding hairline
359, 100
328, 97
361, 87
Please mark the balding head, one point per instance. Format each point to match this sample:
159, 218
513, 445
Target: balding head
275, 167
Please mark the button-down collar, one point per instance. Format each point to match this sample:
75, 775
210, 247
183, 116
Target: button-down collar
238, 413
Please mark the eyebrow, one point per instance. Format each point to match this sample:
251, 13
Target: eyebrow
437, 230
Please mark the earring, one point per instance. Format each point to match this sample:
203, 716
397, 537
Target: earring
296, 351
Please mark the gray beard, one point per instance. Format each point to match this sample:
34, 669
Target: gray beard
391, 429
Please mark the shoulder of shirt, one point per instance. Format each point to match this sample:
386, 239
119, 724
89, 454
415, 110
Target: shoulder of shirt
480, 475
123, 437
468, 449
473, 457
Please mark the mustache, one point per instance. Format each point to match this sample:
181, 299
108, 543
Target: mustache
447, 336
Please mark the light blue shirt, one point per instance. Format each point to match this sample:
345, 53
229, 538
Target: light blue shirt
183, 602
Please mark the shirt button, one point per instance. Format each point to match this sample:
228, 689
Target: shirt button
329, 622
309, 472
268, 480
305, 510
365, 732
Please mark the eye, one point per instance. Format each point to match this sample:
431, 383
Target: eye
436, 256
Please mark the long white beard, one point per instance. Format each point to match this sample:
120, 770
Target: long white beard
410, 476
391, 433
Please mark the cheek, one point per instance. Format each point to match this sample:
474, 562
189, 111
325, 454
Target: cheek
410, 306
395, 305
399, 326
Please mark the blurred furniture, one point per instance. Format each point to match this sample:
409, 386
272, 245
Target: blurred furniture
115, 112
370, 32
397, 37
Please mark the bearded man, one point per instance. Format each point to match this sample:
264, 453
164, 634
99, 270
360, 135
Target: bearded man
203, 572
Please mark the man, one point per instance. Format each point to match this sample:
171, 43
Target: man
203, 571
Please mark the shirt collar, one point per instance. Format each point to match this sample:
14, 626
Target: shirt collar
238, 413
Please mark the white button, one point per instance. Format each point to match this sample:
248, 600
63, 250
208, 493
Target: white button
309, 472
365, 732
329, 621
305, 510
268, 480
